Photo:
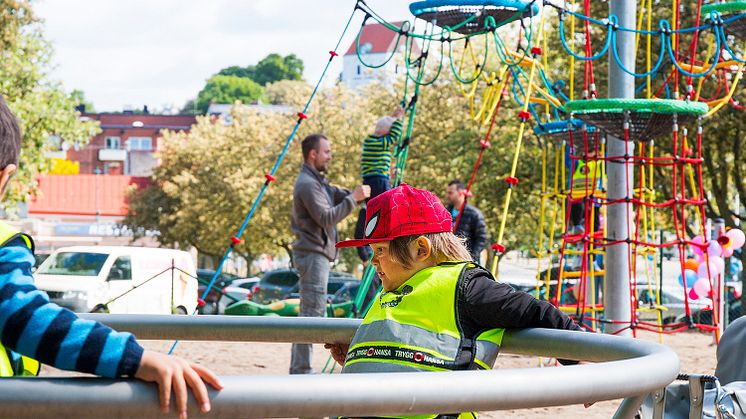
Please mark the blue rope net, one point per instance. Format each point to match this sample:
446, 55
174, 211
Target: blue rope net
471, 16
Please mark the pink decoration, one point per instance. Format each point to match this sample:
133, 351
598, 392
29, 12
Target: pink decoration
701, 287
737, 238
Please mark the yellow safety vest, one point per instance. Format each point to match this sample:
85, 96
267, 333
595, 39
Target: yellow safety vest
414, 328
586, 177
11, 363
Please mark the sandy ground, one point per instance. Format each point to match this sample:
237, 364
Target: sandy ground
695, 350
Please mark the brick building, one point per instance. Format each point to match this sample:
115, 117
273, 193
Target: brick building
127, 142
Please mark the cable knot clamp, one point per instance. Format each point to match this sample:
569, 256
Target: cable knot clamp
269, 177
467, 193
524, 116
235, 240
498, 248
333, 54
200, 302
484, 143
511, 181
536, 51
302, 116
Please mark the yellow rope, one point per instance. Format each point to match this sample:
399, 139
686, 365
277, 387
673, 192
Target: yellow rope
730, 92
521, 130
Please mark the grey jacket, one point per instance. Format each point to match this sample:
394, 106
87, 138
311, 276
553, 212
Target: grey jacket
317, 208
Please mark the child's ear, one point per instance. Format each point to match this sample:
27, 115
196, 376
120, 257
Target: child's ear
424, 248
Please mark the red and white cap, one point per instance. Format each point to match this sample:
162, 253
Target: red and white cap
402, 211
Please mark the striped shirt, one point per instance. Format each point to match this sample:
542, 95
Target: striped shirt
34, 327
377, 152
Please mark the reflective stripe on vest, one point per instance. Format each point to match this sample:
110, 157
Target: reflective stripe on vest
415, 329
586, 174
12, 364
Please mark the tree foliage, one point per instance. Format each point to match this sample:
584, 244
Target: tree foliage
227, 89
274, 67
209, 178
41, 105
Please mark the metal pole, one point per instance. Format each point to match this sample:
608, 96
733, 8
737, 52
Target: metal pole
232, 328
621, 85
626, 367
629, 407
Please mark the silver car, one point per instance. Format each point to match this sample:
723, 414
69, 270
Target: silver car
238, 290
671, 306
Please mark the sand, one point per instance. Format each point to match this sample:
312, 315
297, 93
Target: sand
696, 352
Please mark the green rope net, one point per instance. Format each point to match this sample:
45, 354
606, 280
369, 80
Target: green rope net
648, 118
730, 7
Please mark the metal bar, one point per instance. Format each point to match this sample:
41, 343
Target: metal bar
627, 368
621, 85
629, 407
232, 328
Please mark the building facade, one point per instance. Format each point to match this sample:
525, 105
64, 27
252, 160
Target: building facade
126, 144
377, 43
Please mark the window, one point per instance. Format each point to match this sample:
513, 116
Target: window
74, 263
282, 278
112, 143
121, 269
140, 143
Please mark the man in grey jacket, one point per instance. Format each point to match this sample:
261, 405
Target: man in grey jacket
317, 208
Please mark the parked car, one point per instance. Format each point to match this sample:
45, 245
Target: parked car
279, 284
119, 279
339, 289
39, 258
671, 304
238, 290
204, 276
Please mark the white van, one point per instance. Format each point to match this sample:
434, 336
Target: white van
120, 279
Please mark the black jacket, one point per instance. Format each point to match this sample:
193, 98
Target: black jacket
484, 304
471, 226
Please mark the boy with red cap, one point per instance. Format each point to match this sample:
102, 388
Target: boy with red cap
437, 311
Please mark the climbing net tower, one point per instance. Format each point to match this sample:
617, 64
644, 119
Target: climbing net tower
661, 133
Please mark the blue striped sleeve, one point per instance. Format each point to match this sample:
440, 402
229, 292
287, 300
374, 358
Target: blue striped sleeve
392, 138
32, 326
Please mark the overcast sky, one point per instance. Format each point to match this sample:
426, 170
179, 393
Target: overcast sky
160, 52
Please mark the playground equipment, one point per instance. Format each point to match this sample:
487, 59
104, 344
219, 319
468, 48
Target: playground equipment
620, 364
616, 135
613, 128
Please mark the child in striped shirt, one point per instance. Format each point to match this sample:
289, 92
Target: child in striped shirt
42, 331
375, 165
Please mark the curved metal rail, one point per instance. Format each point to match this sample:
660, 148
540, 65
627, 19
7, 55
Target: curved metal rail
625, 368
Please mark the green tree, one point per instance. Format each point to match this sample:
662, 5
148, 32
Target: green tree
227, 89
238, 71
78, 96
275, 67
204, 203
40, 104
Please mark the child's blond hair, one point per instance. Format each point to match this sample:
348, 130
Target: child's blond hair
445, 247
383, 126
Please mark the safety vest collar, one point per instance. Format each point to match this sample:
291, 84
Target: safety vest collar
8, 233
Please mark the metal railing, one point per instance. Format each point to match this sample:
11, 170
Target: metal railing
624, 368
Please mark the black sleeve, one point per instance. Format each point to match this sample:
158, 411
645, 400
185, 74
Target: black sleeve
492, 304
479, 233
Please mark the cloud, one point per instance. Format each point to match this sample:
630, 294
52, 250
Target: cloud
154, 52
